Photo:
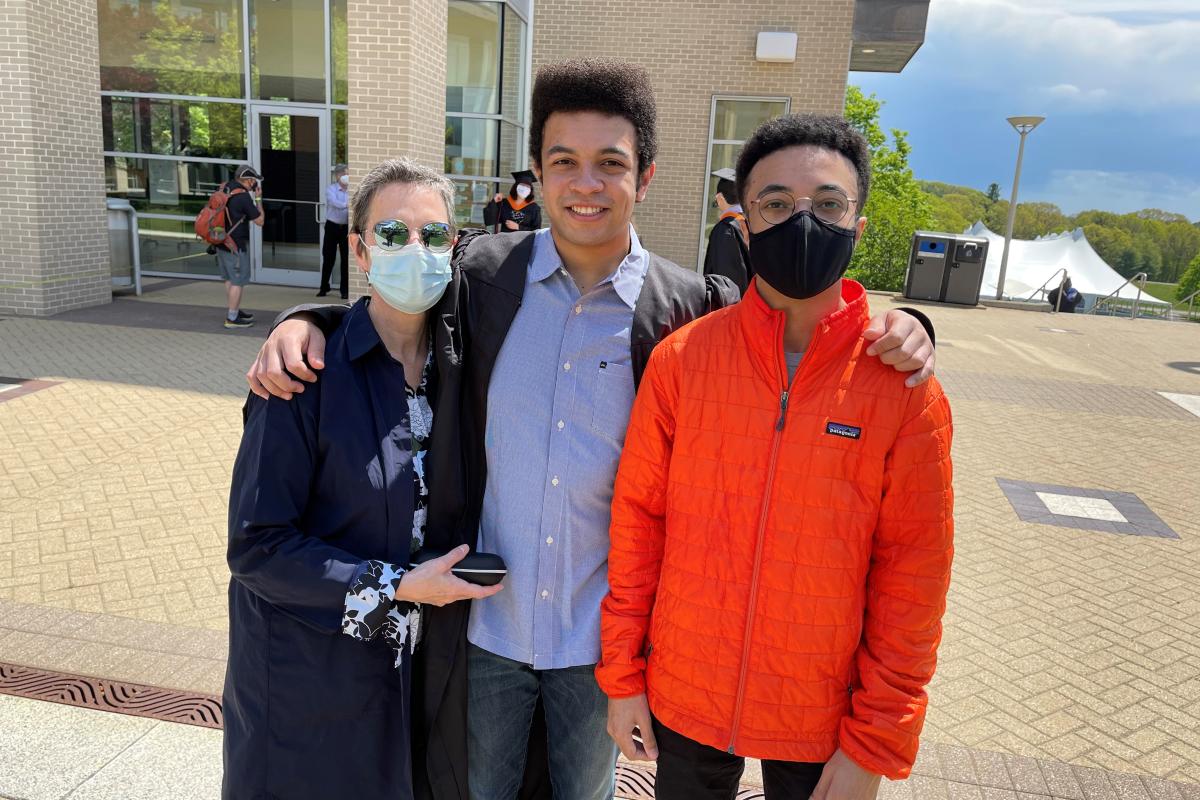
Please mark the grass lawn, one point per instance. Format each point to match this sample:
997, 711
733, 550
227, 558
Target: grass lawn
1163, 291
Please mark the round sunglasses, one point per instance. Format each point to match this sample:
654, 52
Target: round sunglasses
393, 234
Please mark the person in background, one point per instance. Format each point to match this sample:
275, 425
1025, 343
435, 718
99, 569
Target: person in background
233, 257
518, 211
1064, 298
337, 228
727, 252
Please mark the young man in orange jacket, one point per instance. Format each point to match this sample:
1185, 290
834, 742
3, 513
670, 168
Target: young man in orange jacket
782, 522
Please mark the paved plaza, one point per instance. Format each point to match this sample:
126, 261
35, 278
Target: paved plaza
1070, 665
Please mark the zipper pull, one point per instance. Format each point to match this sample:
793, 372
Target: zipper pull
783, 401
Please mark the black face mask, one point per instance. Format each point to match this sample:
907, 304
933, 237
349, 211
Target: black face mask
802, 256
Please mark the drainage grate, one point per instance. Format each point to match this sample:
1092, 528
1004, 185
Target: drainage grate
636, 782
169, 705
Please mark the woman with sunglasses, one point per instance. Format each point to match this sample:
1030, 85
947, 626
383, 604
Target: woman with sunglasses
330, 500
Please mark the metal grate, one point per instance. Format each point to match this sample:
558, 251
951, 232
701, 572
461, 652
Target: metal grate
170, 705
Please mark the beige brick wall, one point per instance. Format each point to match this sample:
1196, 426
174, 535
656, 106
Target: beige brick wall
55, 254
397, 73
690, 60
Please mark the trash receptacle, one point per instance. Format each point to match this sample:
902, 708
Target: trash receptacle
123, 253
945, 268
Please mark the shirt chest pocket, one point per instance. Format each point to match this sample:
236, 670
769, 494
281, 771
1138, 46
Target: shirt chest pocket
612, 400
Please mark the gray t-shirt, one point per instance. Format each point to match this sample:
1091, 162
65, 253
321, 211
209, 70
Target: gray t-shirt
793, 363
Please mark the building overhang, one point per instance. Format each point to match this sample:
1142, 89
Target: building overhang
887, 34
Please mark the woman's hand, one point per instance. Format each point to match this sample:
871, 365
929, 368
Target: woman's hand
512, 226
433, 584
497, 198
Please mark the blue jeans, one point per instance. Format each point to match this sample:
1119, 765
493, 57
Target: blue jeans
501, 698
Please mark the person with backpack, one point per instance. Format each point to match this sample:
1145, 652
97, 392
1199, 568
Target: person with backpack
225, 224
727, 252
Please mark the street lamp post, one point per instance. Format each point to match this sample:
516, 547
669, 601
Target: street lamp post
1023, 126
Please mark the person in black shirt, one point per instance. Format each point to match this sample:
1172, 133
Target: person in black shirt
242, 209
1065, 298
728, 253
516, 212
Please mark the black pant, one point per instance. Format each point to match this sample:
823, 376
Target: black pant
335, 242
688, 770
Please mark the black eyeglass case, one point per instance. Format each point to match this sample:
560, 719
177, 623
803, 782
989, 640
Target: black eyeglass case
484, 569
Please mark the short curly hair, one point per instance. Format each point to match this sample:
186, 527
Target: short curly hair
795, 130
618, 88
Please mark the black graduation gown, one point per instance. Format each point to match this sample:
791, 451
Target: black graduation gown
728, 254
496, 214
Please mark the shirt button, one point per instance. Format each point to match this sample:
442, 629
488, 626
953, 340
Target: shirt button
579, 309
567, 366
555, 481
545, 594
549, 540
561, 424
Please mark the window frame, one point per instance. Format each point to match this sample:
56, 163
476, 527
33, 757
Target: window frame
706, 198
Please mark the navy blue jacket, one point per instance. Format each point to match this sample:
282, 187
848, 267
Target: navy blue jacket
321, 484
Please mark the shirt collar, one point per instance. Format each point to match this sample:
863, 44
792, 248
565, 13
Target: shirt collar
361, 336
737, 208
626, 280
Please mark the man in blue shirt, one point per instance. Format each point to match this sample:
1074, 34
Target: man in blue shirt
337, 228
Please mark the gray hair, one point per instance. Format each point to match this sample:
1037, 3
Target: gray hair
397, 170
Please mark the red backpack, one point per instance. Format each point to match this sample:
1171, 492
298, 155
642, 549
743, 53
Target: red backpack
212, 223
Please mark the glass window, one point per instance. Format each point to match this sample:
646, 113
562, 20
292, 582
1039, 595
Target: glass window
471, 146
174, 127
736, 119
164, 187
733, 121
341, 150
287, 50
473, 58
171, 245
512, 79
470, 197
188, 47
338, 39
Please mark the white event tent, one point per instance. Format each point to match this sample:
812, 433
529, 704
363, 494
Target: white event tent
1032, 263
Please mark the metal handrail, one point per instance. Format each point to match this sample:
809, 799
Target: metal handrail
1139, 279
1191, 301
1042, 288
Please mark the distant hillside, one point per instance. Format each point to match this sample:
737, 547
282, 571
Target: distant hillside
1153, 241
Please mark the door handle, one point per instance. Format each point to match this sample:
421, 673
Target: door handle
317, 212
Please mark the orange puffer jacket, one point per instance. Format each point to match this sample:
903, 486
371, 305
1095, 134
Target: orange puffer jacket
781, 555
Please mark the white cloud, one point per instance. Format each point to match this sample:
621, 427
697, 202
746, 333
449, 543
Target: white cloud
1044, 52
1122, 192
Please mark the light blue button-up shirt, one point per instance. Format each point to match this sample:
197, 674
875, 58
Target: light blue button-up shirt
337, 200
558, 405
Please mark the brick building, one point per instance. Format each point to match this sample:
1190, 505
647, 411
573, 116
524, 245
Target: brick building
158, 101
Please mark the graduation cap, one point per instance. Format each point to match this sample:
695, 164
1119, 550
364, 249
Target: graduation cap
726, 174
525, 176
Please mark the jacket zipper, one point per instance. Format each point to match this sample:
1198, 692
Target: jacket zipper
776, 441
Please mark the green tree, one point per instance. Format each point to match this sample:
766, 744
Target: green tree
993, 192
896, 207
1190, 282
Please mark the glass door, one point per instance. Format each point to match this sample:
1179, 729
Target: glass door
291, 147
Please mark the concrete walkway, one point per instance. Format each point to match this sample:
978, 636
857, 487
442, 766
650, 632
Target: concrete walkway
1072, 638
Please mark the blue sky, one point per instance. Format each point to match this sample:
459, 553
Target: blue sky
1117, 80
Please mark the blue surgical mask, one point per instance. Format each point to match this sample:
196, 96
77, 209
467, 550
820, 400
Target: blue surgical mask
411, 279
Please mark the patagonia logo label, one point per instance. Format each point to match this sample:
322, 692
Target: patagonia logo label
845, 431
